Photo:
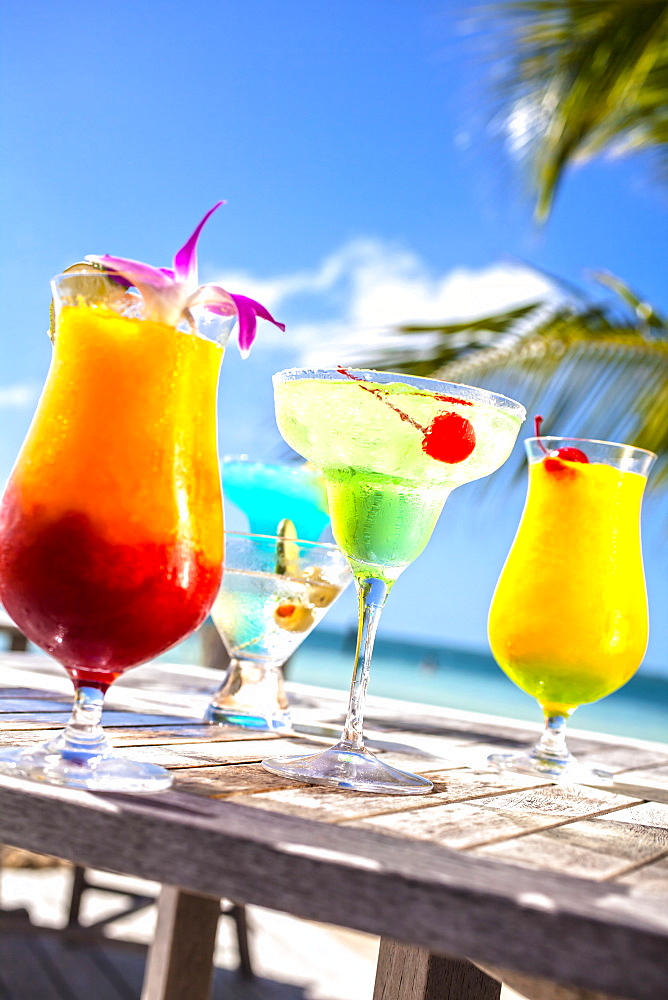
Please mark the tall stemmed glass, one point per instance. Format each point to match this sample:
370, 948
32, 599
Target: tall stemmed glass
390, 448
568, 621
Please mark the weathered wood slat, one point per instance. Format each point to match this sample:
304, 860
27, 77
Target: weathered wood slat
146, 736
623, 758
597, 848
649, 880
222, 781
649, 781
12, 721
336, 806
466, 825
191, 733
540, 922
22, 720
191, 754
25, 700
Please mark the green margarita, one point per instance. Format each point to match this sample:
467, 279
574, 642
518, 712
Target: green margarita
390, 455
390, 449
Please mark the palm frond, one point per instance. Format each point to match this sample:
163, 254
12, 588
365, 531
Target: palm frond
610, 387
594, 370
585, 76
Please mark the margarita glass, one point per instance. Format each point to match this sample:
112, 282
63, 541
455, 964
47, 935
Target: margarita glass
111, 526
275, 590
391, 448
568, 621
268, 492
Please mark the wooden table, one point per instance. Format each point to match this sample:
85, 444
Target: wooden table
536, 884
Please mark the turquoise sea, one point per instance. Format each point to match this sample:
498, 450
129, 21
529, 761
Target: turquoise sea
462, 679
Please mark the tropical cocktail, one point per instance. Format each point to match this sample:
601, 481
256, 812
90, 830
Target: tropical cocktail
111, 530
568, 622
275, 590
268, 492
390, 448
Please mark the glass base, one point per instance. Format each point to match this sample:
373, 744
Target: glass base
279, 722
345, 767
565, 769
251, 696
102, 772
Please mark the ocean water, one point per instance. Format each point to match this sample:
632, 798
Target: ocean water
462, 679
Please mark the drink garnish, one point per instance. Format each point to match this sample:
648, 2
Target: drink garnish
552, 462
537, 421
294, 617
453, 399
170, 293
321, 591
287, 552
450, 438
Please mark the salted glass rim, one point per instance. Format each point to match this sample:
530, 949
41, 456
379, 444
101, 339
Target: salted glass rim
417, 381
582, 440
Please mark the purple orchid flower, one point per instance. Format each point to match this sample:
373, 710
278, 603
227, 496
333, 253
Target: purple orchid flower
170, 293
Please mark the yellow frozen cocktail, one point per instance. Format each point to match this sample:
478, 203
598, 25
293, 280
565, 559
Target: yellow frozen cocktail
568, 621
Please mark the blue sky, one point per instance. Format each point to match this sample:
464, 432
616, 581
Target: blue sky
350, 140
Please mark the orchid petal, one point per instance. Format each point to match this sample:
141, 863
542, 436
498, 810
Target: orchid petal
215, 299
185, 259
169, 294
135, 272
248, 310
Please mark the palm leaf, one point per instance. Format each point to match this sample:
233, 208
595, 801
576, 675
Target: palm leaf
585, 76
594, 370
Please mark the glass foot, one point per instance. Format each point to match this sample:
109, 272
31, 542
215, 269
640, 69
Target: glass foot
566, 769
101, 773
251, 696
345, 767
279, 722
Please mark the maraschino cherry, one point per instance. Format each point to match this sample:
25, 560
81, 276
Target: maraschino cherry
552, 463
449, 438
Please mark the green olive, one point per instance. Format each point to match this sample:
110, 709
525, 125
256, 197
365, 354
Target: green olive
294, 617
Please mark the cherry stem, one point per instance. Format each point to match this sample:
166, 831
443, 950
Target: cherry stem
537, 421
379, 395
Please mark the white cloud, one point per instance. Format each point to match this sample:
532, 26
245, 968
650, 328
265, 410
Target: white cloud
18, 396
367, 287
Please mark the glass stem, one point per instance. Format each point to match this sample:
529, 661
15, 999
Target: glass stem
372, 594
83, 734
552, 744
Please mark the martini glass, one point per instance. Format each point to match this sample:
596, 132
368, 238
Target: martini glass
391, 448
274, 592
267, 492
568, 621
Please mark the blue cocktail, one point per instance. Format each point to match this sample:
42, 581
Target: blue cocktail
269, 492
